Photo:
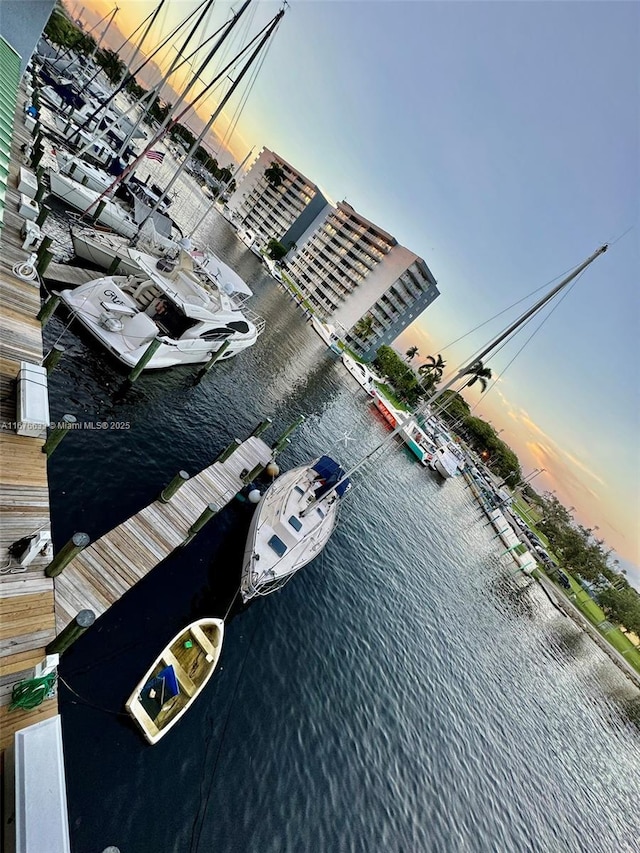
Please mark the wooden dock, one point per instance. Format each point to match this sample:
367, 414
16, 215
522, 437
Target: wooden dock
64, 276
27, 621
105, 570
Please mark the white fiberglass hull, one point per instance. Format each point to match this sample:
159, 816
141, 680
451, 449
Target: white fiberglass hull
445, 463
127, 337
361, 373
93, 178
82, 198
102, 250
264, 569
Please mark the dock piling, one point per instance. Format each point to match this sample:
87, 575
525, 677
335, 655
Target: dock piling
144, 359
77, 543
169, 491
288, 431
227, 452
255, 472
72, 632
44, 255
47, 309
99, 210
58, 433
280, 446
215, 357
53, 357
44, 212
207, 514
261, 427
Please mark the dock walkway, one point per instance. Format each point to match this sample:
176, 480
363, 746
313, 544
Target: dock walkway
27, 621
105, 570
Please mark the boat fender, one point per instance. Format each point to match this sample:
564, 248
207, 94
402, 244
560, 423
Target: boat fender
254, 496
272, 469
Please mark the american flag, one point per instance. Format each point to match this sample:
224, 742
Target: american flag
156, 155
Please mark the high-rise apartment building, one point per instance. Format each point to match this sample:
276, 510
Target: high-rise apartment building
282, 212
357, 277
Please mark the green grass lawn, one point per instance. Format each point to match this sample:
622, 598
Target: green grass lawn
296, 290
592, 611
387, 392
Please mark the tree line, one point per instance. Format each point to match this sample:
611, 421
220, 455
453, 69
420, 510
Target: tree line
586, 557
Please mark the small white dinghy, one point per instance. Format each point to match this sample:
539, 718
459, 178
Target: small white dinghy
176, 678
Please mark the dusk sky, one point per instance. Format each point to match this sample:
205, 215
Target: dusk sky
499, 141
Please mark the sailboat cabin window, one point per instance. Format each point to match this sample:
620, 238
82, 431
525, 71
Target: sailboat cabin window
277, 545
295, 523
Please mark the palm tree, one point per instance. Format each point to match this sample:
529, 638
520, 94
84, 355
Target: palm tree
433, 368
274, 174
479, 373
412, 352
364, 327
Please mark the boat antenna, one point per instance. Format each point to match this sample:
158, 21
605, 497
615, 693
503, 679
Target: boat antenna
464, 370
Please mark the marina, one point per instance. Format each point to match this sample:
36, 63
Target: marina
425, 645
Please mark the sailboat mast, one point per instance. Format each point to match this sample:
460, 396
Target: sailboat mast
267, 30
222, 190
176, 64
143, 38
485, 352
222, 104
106, 29
149, 58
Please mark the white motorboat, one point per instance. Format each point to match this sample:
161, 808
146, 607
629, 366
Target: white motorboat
176, 678
274, 270
82, 198
365, 377
444, 462
164, 301
418, 441
291, 525
250, 241
328, 334
101, 248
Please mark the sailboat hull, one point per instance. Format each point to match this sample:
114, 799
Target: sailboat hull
289, 529
82, 198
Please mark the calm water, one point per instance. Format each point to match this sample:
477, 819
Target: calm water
405, 692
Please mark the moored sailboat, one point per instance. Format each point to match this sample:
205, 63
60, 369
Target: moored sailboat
278, 533
291, 525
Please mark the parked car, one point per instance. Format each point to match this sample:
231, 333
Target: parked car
563, 579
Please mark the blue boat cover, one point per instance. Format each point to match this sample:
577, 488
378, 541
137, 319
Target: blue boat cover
328, 470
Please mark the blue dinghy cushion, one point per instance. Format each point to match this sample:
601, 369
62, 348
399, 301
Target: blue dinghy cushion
158, 690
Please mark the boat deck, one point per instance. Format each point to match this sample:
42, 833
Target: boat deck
109, 567
27, 620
